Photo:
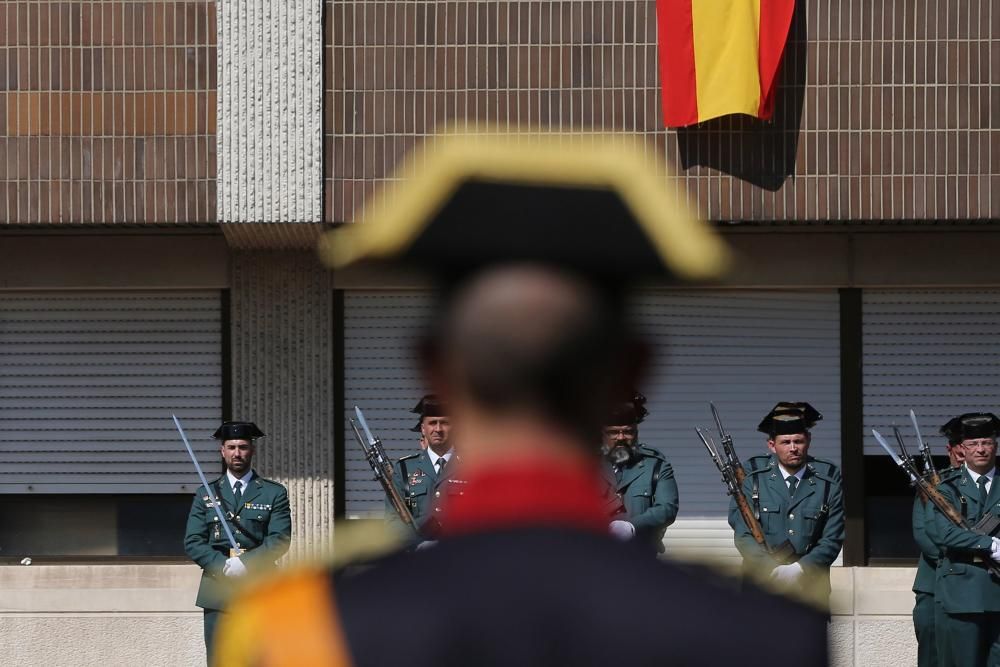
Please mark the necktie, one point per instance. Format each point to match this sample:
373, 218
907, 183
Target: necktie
441, 463
793, 482
237, 495
982, 492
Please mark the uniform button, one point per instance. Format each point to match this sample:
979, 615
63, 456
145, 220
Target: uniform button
791, 532
437, 509
437, 494
259, 516
791, 516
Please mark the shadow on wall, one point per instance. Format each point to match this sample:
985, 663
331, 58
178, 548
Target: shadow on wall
759, 152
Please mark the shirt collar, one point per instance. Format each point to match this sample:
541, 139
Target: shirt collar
434, 457
975, 475
245, 479
785, 474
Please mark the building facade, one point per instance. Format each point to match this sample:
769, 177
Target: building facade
167, 168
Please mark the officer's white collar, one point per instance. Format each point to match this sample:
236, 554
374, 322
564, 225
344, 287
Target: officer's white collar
434, 457
785, 474
245, 479
975, 475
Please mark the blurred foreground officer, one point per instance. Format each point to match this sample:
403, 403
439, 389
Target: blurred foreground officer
924, 582
258, 515
641, 476
529, 350
798, 499
967, 596
420, 477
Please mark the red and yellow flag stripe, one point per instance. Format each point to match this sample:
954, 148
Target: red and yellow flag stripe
720, 57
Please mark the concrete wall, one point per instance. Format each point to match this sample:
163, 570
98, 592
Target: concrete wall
270, 111
282, 379
113, 615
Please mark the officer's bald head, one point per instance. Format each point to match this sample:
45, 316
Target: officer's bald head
536, 341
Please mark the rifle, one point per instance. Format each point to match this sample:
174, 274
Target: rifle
727, 447
930, 472
985, 526
381, 466
235, 551
784, 553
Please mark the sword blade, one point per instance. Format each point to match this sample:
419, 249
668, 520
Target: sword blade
204, 483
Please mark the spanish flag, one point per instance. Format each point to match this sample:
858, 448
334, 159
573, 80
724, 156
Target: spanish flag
720, 57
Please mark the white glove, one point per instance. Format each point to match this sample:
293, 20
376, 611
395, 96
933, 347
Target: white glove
426, 544
623, 530
995, 549
234, 567
787, 574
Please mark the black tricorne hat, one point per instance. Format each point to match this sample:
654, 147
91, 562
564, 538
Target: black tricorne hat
788, 418
429, 406
596, 206
971, 425
631, 411
238, 431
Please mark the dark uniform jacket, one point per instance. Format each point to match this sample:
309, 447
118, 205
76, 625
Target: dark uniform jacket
927, 563
812, 520
929, 552
534, 581
420, 487
648, 492
963, 583
262, 525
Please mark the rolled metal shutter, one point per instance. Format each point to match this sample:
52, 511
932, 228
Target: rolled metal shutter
88, 383
930, 351
744, 350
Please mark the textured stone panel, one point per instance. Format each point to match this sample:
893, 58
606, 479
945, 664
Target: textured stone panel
282, 379
841, 641
69, 640
270, 115
885, 642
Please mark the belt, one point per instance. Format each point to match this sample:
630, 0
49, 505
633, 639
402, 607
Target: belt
967, 558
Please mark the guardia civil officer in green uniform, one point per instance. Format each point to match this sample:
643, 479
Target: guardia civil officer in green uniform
799, 499
641, 476
419, 477
257, 512
966, 594
924, 583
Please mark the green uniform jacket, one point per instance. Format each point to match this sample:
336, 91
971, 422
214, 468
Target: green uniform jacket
417, 482
964, 586
262, 525
813, 521
648, 490
927, 563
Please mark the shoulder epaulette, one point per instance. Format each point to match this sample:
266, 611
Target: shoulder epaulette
824, 468
951, 477
410, 456
756, 463
651, 451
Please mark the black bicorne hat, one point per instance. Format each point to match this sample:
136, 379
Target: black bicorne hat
788, 418
971, 425
238, 431
429, 406
534, 199
631, 411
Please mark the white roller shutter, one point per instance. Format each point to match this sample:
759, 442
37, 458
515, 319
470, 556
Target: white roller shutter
744, 350
931, 351
88, 381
